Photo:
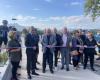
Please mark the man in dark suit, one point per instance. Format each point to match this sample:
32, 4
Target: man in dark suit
57, 49
30, 52
48, 41
3, 33
36, 36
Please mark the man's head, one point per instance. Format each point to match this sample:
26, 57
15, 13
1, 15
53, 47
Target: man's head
32, 30
5, 22
77, 33
48, 31
65, 31
54, 30
80, 32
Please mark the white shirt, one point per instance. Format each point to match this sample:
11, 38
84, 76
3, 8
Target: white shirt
64, 38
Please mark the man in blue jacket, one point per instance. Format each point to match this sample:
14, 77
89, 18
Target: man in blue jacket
30, 52
3, 33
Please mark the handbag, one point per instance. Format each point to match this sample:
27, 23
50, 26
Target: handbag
74, 53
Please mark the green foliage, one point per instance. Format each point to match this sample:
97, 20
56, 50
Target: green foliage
40, 32
3, 58
24, 31
92, 7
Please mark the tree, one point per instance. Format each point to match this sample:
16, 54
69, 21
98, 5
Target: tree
92, 7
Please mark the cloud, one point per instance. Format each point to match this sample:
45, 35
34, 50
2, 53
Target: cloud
55, 18
75, 3
23, 18
72, 22
43, 20
35, 9
81, 21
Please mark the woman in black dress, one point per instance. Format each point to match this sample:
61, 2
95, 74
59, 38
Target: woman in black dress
89, 51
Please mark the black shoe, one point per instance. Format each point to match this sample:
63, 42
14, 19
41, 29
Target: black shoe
67, 69
70, 63
84, 68
38, 63
52, 71
43, 71
62, 68
29, 77
19, 66
37, 68
93, 69
14, 79
18, 74
98, 58
34, 73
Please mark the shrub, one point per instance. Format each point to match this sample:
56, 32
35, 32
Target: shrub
3, 58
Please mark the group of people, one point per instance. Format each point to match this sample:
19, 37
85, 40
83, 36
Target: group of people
74, 48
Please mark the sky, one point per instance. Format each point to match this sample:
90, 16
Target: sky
47, 13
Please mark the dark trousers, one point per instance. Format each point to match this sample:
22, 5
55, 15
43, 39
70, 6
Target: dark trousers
48, 57
36, 54
36, 59
65, 57
70, 58
31, 61
14, 69
3, 39
76, 60
56, 53
89, 56
82, 58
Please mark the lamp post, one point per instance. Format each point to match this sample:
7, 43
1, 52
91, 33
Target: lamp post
14, 19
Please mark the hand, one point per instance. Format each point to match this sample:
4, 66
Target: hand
96, 46
15, 50
85, 46
49, 46
81, 47
34, 47
63, 46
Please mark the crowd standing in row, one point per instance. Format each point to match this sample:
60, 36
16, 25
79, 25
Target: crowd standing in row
76, 48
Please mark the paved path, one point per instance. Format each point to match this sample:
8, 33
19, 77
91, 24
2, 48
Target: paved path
58, 75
